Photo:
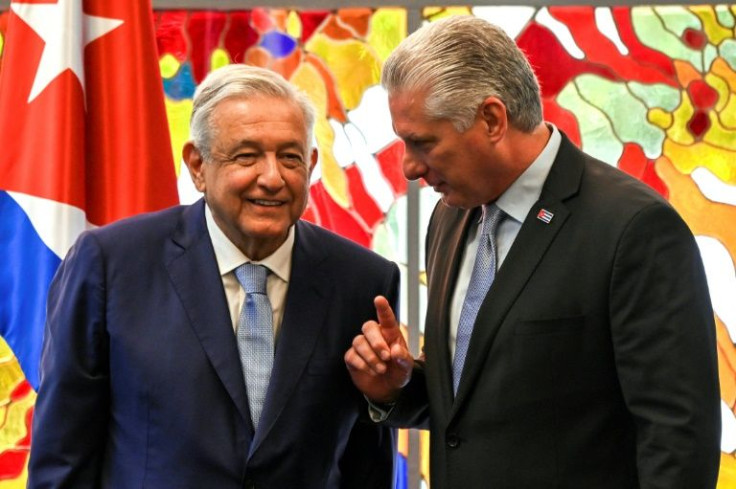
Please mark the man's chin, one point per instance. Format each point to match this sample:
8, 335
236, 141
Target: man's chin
450, 200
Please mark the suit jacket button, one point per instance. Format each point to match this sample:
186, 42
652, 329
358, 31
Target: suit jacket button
453, 441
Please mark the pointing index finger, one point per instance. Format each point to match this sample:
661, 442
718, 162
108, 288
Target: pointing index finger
386, 317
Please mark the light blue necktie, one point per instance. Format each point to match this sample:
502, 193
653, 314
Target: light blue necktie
484, 270
255, 336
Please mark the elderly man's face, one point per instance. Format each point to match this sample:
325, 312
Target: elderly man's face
257, 180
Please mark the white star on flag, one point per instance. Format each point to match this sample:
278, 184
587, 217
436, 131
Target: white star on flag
58, 25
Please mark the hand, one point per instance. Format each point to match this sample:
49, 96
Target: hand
379, 361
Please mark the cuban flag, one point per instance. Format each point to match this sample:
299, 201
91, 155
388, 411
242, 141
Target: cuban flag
84, 141
545, 216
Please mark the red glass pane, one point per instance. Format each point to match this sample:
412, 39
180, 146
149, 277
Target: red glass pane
389, 159
334, 217
702, 95
240, 36
311, 20
363, 203
694, 38
552, 63
699, 123
643, 54
204, 29
563, 119
170, 35
601, 50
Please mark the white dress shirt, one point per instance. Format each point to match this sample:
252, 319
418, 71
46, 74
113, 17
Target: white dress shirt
229, 257
516, 202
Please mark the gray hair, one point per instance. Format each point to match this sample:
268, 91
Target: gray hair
460, 61
239, 80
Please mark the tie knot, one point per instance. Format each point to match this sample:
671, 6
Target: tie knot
492, 215
252, 278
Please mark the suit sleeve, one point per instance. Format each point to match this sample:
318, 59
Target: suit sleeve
368, 461
412, 407
71, 411
664, 340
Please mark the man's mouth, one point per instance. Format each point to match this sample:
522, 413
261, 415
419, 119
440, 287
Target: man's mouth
267, 203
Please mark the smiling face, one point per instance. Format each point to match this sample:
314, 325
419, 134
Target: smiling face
463, 166
257, 180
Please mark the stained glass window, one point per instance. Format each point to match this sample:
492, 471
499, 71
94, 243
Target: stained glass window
649, 89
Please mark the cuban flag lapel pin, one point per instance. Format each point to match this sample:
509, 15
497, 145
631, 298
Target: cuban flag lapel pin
545, 216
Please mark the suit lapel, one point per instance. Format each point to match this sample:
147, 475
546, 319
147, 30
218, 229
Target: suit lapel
301, 327
530, 245
195, 277
444, 272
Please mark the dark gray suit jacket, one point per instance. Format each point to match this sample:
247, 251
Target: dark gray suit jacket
142, 385
593, 359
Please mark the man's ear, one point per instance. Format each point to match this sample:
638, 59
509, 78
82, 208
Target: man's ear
493, 113
194, 161
313, 157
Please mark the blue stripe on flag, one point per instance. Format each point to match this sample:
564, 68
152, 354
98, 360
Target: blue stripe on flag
25, 275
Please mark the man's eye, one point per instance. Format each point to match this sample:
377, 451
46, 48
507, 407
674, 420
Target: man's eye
417, 144
245, 157
292, 158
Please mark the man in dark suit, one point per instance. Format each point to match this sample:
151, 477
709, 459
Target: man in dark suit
591, 360
142, 381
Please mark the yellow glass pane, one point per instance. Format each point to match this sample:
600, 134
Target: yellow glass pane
178, 113
388, 29
726, 364
660, 118
713, 29
294, 25
678, 131
720, 136
436, 13
353, 63
687, 157
169, 66
219, 58
727, 474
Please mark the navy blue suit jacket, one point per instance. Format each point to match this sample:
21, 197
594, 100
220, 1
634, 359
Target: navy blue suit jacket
141, 380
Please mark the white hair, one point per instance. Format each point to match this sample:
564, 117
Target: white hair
239, 80
459, 62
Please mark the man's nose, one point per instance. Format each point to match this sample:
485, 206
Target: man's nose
412, 166
270, 172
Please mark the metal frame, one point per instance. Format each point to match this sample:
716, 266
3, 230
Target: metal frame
408, 4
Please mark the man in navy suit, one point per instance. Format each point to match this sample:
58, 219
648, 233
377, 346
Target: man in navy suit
142, 385
591, 361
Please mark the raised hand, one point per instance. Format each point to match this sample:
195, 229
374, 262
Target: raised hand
379, 361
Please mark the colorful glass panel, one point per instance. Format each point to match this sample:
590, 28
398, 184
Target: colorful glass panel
648, 89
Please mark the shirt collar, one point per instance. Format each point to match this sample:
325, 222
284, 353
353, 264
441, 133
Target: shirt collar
229, 257
519, 198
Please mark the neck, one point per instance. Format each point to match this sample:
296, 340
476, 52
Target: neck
522, 148
517, 152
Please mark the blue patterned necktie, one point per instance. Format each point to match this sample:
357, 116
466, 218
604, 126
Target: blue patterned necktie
484, 270
255, 336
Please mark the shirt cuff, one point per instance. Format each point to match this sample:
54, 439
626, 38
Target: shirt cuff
379, 412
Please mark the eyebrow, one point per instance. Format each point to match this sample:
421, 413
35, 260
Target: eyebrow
243, 143
418, 138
